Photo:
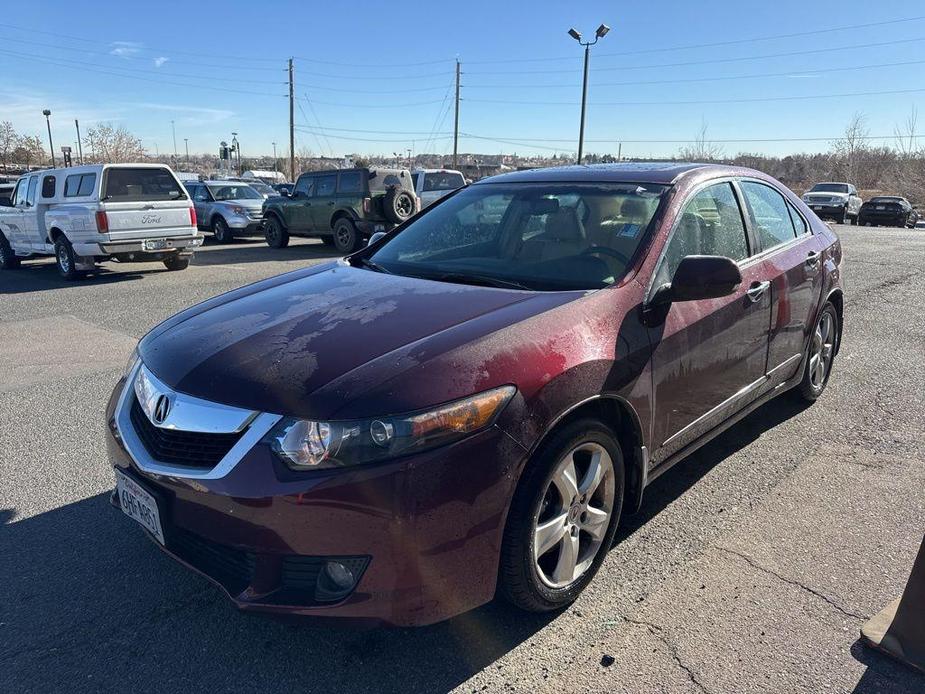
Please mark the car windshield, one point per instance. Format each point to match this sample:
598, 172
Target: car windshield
540, 236
262, 188
122, 184
829, 188
234, 191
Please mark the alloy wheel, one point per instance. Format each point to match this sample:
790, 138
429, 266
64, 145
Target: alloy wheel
64, 260
823, 349
572, 519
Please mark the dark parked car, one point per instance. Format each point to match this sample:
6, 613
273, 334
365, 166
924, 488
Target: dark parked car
343, 208
469, 404
888, 210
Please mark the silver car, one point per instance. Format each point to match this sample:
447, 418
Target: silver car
227, 208
838, 201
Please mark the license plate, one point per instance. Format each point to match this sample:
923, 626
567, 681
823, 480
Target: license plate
138, 504
154, 244
880, 207
817, 207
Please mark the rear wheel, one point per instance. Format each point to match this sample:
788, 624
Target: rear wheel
221, 230
274, 233
346, 239
563, 517
8, 259
822, 348
66, 260
176, 262
397, 204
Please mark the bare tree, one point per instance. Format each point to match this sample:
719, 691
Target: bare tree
113, 145
851, 149
8, 141
907, 135
29, 150
701, 149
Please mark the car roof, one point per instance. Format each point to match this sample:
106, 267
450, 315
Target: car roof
664, 173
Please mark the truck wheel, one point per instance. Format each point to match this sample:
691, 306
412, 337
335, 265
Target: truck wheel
397, 205
8, 259
176, 262
66, 260
274, 233
221, 231
346, 239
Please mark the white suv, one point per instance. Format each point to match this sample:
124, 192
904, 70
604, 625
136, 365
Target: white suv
86, 214
432, 184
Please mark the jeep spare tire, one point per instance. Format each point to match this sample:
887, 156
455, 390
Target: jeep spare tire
397, 205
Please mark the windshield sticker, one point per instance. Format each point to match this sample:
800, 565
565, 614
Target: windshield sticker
629, 231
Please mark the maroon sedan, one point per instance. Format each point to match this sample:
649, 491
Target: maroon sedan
468, 405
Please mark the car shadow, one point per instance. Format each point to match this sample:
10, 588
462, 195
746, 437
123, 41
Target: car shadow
42, 275
883, 674
86, 596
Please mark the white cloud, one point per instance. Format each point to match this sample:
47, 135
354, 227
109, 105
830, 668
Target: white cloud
125, 49
158, 62
190, 115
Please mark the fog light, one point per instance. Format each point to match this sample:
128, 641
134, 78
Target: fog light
334, 582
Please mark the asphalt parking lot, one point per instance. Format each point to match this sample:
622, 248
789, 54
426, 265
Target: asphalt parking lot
751, 566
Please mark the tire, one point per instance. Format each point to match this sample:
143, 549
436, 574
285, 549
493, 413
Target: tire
274, 233
8, 259
345, 239
397, 205
66, 260
176, 262
823, 344
221, 231
536, 584
840, 219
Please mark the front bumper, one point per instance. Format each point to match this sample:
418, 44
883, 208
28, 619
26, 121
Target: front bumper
429, 527
245, 225
827, 210
884, 218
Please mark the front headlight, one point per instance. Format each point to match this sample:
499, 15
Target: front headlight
240, 211
309, 445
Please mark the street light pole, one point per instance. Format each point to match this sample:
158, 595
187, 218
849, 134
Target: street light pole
599, 34
186, 147
173, 130
275, 163
51, 145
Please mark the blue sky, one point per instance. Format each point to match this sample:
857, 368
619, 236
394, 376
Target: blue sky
375, 77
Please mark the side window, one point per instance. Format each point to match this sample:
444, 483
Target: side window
48, 187
71, 184
325, 186
799, 224
79, 185
414, 179
769, 213
202, 194
304, 185
30, 196
20, 196
350, 182
711, 223
87, 183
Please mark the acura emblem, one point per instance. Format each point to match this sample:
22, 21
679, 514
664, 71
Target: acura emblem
161, 409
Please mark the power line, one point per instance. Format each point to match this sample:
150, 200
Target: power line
374, 65
364, 139
756, 100
524, 141
713, 61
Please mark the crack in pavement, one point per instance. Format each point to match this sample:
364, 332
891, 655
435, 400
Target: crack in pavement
751, 562
660, 633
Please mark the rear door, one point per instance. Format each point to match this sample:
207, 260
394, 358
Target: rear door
791, 258
144, 202
351, 189
709, 357
323, 202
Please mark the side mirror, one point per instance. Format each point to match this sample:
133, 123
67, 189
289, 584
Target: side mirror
700, 277
375, 237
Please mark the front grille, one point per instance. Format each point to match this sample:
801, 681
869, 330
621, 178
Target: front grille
233, 568
186, 448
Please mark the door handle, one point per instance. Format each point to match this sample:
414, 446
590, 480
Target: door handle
757, 290
813, 258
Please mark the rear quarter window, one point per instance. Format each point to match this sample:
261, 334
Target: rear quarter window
48, 186
140, 185
79, 185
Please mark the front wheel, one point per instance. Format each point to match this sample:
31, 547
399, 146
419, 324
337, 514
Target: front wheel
66, 260
563, 518
8, 259
274, 233
346, 238
823, 345
221, 231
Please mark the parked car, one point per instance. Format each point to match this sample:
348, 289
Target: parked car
468, 407
84, 215
227, 208
432, 184
6, 193
342, 207
888, 210
837, 201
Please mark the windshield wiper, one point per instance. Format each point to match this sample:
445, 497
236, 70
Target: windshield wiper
481, 280
373, 265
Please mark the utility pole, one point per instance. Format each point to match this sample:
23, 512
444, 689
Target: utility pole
51, 145
186, 147
456, 122
80, 147
173, 129
291, 125
620, 152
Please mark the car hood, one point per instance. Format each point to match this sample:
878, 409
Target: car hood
274, 345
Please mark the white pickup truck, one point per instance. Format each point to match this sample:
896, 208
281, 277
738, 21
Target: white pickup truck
432, 184
86, 214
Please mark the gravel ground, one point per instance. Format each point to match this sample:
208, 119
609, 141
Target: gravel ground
751, 566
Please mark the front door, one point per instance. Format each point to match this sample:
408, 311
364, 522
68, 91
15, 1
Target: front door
323, 202
791, 259
709, 357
